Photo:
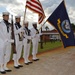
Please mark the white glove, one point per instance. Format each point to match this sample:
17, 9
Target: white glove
33, 36
11, 41
29, 37
22, 31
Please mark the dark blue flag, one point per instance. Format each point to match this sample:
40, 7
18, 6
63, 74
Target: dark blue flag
60, 20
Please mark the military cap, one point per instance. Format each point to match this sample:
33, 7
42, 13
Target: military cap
18, 16
35, 23
5, 13
25, 22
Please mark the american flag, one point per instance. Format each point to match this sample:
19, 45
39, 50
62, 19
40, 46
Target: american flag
36, 6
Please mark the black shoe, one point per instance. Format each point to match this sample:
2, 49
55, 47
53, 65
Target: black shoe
17, 67
30, 62
35, 59
27, 63
2, 72
8, 70
20, 65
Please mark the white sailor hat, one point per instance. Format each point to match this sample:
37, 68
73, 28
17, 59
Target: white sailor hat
5, 13
18, 16
35, 23
25, 22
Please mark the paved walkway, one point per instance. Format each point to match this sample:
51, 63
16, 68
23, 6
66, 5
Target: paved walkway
56, 62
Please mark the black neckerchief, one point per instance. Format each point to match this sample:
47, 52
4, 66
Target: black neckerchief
27, 28
7, 25
17, 25
36, 30
27, 31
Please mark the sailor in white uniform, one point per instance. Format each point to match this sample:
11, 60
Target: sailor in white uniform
36, 35
5, 43
26, 43
18, 41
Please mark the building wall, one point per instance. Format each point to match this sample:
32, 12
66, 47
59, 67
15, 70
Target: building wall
48, 37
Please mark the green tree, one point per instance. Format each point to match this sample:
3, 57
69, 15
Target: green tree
46, 28
73, 26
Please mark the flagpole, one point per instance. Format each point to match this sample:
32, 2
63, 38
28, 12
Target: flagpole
41, 45
24, 15
43, 24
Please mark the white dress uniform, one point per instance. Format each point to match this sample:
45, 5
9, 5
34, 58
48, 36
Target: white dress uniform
26, 43
19, 45
35, 41
5, 46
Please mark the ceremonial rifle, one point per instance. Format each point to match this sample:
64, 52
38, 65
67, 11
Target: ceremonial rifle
13, 36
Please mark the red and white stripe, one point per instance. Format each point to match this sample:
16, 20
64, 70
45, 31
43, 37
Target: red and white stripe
36, 6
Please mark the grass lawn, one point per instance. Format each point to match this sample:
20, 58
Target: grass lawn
49, 46
46, 46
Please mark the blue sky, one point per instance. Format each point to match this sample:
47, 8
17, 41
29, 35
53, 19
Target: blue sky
17, 7
2, 9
